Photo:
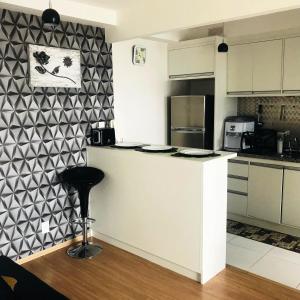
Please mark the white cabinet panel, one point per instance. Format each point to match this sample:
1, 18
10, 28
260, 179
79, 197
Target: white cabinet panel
238, 185
191, 61
291, 75
265, 192
237, 204
240, 63
238, 169
267, 66
291, 198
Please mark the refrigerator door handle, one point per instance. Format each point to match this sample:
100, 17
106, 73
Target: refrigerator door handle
188, 130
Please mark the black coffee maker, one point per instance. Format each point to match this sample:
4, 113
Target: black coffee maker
262, 141
103, 136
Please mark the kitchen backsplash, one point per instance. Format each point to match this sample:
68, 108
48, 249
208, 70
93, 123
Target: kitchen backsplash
43, 130
280, 113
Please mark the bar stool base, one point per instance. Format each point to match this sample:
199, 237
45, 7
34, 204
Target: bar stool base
81, 251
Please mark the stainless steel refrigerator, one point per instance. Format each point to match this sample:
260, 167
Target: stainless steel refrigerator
192, 121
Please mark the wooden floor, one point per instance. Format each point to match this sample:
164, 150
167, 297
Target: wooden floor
116, 274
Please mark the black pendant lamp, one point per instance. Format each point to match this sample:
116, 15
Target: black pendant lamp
50, 17
223, 47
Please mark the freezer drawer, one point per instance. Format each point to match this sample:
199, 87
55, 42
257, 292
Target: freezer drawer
182, 138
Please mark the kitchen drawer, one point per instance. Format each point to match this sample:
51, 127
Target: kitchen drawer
237, 204
238, 169
238, 185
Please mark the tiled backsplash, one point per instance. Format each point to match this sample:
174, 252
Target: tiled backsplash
272, 112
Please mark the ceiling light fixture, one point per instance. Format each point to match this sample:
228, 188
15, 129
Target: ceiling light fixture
223, 47
50, 16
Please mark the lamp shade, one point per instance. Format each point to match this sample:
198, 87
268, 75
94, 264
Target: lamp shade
50, 17
223, 47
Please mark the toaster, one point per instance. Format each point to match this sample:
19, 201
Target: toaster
103, 136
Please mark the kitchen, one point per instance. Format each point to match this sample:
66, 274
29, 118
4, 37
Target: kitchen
257, 80
145, 159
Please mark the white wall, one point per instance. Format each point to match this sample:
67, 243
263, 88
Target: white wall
140, 92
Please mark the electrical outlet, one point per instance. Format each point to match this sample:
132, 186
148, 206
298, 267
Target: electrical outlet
45, 227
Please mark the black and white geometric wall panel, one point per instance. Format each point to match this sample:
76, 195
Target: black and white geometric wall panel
43, 130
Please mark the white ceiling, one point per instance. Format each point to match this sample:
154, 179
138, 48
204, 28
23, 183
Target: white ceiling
112, 4
276, 24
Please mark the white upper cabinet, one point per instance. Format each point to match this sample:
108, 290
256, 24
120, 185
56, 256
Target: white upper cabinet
267, 66
193, 61
291, 74
291, 200
239, 69
255, 67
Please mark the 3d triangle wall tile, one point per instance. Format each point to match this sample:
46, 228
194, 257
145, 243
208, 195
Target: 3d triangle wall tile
43, 130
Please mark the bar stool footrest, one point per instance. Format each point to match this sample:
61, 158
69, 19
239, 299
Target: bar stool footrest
81, 221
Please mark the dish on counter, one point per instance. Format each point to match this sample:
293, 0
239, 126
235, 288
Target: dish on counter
157, 148
127, 145
196, 152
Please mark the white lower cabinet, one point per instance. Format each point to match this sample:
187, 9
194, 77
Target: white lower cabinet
265, 192
237, 203
291, 198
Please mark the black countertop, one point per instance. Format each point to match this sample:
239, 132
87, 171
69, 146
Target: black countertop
295, 157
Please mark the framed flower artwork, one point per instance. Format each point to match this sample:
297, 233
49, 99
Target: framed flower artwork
138, 55
54, 67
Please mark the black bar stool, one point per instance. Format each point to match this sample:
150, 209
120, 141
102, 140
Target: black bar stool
83, 179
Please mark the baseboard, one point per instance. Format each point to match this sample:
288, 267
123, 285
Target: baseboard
48, 250
148, 256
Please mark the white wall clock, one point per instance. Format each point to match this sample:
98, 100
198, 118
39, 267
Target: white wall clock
139, 55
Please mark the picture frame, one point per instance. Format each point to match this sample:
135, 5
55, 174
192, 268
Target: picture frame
138, 55
54, 67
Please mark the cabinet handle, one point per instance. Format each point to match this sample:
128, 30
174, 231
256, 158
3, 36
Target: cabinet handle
271, 166
237, 193
191, 75
267, 92
238, 177
291, 91
240, 93
292, 168
236, 161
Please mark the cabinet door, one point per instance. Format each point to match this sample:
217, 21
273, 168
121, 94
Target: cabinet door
267, 66
291, 198
291, 74
198, 60
239, 68
265, 192
237, 203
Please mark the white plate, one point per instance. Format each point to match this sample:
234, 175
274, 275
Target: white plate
196, 152
128, 145
157, 148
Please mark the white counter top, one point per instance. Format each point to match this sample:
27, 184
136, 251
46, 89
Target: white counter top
223, 154
166, 209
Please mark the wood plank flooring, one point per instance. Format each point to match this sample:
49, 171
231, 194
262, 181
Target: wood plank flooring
116, 274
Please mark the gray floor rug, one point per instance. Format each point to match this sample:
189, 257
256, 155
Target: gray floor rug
278, 239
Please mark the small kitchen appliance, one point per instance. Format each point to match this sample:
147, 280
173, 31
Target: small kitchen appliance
262, 141
233, 130
103, 136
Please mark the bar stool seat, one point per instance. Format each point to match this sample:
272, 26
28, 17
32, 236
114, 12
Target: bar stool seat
83, 179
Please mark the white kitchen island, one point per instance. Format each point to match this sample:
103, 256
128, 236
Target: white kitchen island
169, 210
